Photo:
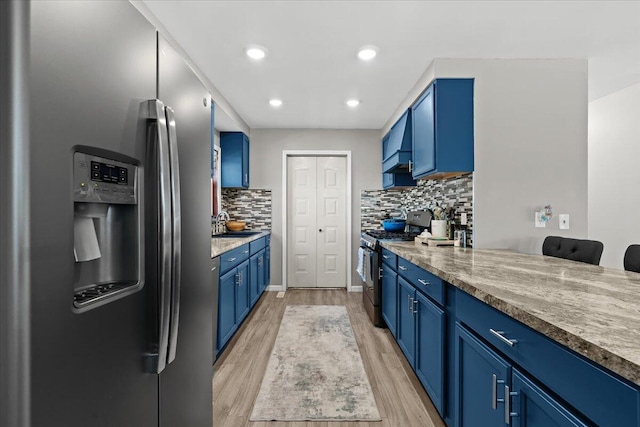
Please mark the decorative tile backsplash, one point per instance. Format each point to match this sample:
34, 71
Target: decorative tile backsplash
456, 192
252, 206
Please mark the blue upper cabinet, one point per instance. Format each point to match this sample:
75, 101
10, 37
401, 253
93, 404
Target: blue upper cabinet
234, 156
395, 179
396, 149
442, 129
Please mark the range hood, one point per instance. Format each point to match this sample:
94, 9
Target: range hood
396, 151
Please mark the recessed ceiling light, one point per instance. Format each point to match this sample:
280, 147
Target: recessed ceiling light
256, 52
275, 102
353, 103
367, 52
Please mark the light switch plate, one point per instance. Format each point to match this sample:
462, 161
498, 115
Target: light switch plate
463, 218
539, 222
564, 221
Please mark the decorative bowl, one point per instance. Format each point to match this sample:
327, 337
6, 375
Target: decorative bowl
393, 224
235, 225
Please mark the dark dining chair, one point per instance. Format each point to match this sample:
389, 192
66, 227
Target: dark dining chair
588, 251
632, 258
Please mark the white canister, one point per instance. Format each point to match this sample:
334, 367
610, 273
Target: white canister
439, 227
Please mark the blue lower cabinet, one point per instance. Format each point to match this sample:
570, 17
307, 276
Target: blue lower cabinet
390, 298
226, 308
533, 407
430, 344
406, 329
481, 377
261, 271
267, 267
254, 285
242, 291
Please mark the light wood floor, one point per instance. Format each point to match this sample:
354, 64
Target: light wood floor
238, 373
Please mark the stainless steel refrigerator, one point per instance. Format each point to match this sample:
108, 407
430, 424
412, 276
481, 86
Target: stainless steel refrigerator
120, 297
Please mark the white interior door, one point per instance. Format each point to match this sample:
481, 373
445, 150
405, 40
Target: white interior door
331, 221
302, 231
316, 188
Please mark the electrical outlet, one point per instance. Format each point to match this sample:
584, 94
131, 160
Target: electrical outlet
564, 221
538, 220
463, 218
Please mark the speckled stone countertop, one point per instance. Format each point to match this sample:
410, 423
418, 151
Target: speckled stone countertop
593, 310
220, 245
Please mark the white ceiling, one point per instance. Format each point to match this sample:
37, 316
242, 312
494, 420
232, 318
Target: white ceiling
312, 64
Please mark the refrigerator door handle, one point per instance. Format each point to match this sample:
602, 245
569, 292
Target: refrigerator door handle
157, 114
177, 234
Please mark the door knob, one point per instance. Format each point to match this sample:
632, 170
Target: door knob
320, 230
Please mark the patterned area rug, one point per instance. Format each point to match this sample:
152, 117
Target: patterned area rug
315, 372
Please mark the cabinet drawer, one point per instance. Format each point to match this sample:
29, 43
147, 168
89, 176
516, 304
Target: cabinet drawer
232, 258
390, 259
598, 394
257, 245
425, 282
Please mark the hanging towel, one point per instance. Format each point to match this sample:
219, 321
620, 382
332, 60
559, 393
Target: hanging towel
361, 267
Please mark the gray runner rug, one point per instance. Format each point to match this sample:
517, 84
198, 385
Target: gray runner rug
315, 371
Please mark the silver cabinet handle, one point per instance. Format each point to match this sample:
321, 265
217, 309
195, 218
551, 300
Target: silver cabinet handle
385, 256
424, 282
379, 273
507, 405
240, 275
177, 233
214, 268
409, 303
157, 154
237, 279
231, 259
500, 335
410, 165
402, 267
415, 306
245, 252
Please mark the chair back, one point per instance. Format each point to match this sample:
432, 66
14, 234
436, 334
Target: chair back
632, 258
588, 251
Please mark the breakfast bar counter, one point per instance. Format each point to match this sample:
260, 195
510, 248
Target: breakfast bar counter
592, 310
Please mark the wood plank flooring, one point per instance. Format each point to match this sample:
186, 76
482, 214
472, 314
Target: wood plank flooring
238, 372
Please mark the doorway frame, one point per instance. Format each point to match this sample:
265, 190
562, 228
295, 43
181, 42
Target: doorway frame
285, 205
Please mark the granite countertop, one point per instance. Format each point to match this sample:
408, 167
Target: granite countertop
220, 245
593, 310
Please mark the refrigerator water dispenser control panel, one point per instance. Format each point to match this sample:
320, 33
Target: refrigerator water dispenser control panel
100, 180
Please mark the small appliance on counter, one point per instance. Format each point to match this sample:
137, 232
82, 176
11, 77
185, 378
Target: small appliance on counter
416, 223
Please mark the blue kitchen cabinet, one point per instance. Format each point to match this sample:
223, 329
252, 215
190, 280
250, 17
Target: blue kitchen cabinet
255, 287
531, 406
430, 345
481, 377
442, 129
242, 292
226, 308
234, 160
390, 298
267, 267
406, 328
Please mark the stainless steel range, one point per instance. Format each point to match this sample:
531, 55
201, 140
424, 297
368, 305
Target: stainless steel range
370, 243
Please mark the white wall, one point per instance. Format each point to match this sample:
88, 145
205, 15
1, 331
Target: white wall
265, 160
614, 173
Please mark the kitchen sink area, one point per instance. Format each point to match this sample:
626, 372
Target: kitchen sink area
236, 234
